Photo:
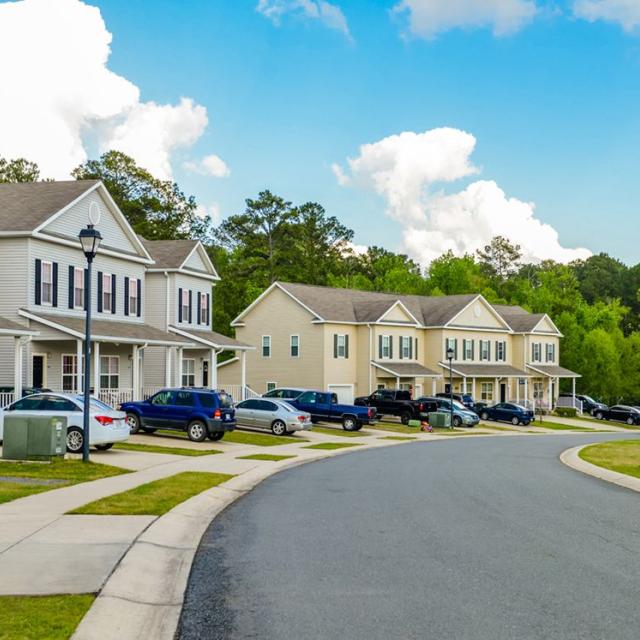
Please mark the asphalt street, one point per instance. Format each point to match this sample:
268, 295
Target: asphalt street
478, 538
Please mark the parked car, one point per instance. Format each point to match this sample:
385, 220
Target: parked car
290, 393
462, 417
465, 399
202, 413
508, 412
276, 415
324, 406
620, 413
589, 405
396, 402
107, 425
479, 406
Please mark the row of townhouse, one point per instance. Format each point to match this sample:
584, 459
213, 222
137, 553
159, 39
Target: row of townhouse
353, 342
151, 300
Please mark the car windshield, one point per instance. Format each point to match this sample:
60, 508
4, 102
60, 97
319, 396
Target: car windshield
590, 399
95, 404
225, 400
459, 405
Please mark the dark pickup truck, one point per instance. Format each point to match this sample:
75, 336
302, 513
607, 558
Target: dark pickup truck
324, 406
397, 402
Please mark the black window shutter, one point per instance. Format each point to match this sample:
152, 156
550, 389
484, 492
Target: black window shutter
208, 310
198, 308
72, 278
416, 346
380, 347
464, 349
99, 291
38, 285
113, 293
504, 351
126, 296
335, 345
54, 273
400, 341
390, 348
473, 349
410, 348
139, 314
346, 346
489, 350
455, 349
190, 306
179, 305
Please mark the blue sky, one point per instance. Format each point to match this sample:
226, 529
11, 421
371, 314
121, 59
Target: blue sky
553, 107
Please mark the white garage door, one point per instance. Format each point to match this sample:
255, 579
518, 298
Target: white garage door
343, 391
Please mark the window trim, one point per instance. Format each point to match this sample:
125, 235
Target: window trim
77, 270
73, 376
483, 344
501, 345
133, 295
268, 346
183, 374
467, 355
291, 345
185, 306
203, 310
342, 346
109, 374
270, 388
387, 348
107, 277
43, 263
405, 341
490, 391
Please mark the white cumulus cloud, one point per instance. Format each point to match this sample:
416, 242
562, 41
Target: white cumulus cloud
428, 18
213, 211
211, 165
406, 171
56, 92
624, 12
328, 14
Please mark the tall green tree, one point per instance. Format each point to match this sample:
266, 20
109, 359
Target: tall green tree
18, 170
500, 259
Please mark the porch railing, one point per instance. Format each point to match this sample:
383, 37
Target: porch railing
235, 391
5, 399
570, 402
115, 397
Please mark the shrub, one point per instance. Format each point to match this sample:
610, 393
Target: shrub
566, 412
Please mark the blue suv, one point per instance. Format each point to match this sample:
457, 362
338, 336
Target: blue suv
201, 413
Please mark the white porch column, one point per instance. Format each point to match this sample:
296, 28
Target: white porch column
179, 367
517, 390
434, 387
135, 359
573, 390
549, 398
526, 390
79, 366
464, 385
473, 388
243, 375
213, 369
167, 366
96, 370
496, 391
397, 383
17, 368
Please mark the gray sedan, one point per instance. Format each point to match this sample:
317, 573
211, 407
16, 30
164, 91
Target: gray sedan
276, 415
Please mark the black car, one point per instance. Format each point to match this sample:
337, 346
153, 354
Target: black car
465, 399
620, 413
508, 412
396, 402
589, 405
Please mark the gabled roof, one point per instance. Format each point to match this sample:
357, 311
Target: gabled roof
11, 328
519, 319
172, 255
212, 339
27, 205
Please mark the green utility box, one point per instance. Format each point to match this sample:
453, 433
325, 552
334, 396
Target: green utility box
34, 437
440, 419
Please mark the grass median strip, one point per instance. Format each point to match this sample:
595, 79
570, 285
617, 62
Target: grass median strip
21, 479
36, 617
622, 456
558, 426
393, 427
329, 431
332, 445
242, 437
265, 456
155, 498
176, 451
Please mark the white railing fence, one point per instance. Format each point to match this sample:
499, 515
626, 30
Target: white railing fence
570, 402
147, 392
115, 397
5, 399
235, 391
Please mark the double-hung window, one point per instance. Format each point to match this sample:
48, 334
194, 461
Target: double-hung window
405, 348
341, 345
107, 293
385, 347
451, 344
501, 351
78, 288
188, 372
185, 305
467, 349
295, 346
47, 282
133, 297
486, 391
538, 390
266, 346
204, 310
485, 350
536, 352
551, 353
70, 373
109, 372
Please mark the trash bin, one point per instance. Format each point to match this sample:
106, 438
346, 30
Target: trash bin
34, 438
440, 419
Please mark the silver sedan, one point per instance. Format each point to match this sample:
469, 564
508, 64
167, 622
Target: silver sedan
275, 415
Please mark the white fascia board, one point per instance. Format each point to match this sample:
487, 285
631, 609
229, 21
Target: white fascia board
49, 323
209, 343
398, 303
226, 362
480, 297
18, 332
547, 333
205, 257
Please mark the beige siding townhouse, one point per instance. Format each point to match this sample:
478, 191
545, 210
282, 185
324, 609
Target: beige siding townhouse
353, 342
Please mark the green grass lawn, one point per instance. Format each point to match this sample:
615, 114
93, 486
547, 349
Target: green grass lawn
396, 438
265, 456
558, 426
69, 471
605, 423
332, 445
41, 617
339, 431
155, 498
242, 437
622, 456
394, 427
151, 448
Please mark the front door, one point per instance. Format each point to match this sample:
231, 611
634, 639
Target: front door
503, 392
38, 371
205, 374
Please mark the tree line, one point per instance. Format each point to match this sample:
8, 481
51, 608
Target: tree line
594, 302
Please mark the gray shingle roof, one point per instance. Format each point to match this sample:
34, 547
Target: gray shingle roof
406, 369
216, 339
25, 206
517, 318
168, 254
485, 370
353, 305
554, 370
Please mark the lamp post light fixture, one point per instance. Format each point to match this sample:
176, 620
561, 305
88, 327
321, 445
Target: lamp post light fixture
90, 241
450, 354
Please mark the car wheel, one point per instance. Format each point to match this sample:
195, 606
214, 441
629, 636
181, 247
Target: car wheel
599, 415
515, 421
456, 421
349, 424
630, 421
525, 424
278, 428
149, 430
358, 426
75, 440
216, 435
134, 423
405, 417
105, 446
197, 431
484, 415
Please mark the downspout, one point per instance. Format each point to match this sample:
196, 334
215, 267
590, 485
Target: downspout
369, 364
168, 301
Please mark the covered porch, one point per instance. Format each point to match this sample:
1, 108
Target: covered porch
16, 337
56, 357
547, 383
411, 376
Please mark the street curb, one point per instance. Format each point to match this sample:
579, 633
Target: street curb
571, 458
144, 594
